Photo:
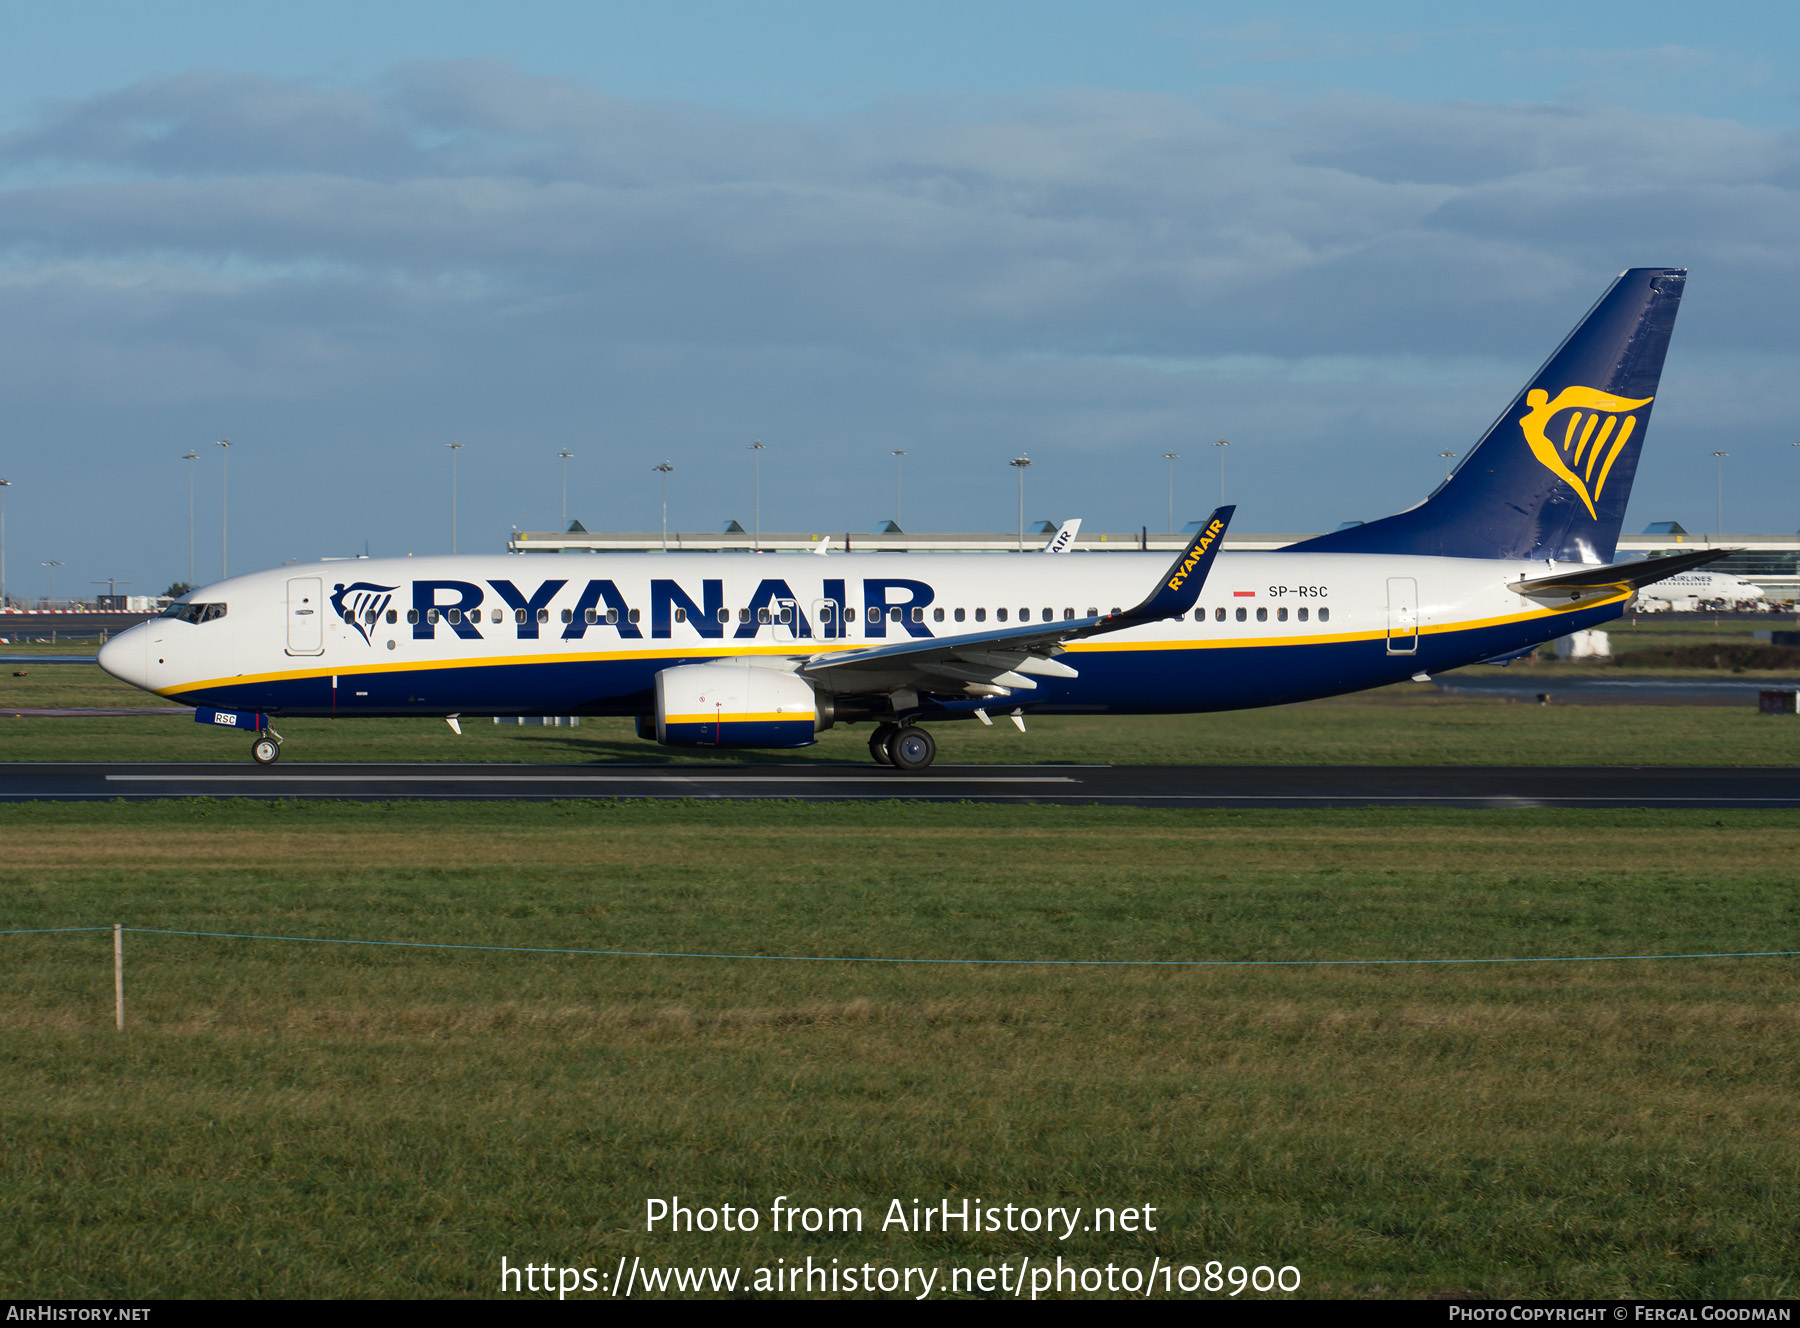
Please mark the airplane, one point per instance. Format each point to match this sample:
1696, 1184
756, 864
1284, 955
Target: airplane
1689, 590
715, 650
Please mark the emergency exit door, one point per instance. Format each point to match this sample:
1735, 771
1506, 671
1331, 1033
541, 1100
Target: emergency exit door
1402, 616
305, 616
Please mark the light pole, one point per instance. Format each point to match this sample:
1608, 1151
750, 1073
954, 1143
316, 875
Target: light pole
1019, 463
565, 454
5, 484
112, 584
191, 455
53, 564
224, 446
758, 449
454, 449
664, 470
1448, 456
897, 453
1719, 455
1221, 445
1171, 458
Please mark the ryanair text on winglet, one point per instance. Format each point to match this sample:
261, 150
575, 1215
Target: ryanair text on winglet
1199, 551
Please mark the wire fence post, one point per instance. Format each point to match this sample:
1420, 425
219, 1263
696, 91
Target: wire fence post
119, 975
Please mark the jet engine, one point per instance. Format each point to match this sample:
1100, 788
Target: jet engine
731, 703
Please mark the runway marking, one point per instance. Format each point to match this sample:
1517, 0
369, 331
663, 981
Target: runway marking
594, 779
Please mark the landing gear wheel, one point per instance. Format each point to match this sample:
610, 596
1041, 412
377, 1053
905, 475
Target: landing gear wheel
913, 749
266, 750
878, 743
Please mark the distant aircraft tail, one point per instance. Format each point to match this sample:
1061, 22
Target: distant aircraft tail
1551, 476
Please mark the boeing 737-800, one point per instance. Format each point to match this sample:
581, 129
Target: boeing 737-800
742, 650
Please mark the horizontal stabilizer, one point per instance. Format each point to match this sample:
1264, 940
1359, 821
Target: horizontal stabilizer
1616, 576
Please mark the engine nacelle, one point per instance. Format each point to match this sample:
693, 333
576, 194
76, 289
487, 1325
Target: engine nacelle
731, 704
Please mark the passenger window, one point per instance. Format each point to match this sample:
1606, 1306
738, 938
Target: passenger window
743, 615
1281, 614
724, 615
874, 614
1324, 615
518, 615
1262, 615
960, 615
825, 611
1068, 615
1219, 614
999, 615
1049, 615
786, 615
544, 615
918, 614
631, 615
612, 617
980, 615
937, 615
591, 616
393, 616
894, 614
1241, 615
762, 616
1301, 615
1093, 612
1199, 615
455, 617
412, 616
1024, 615
680, 615
568, 615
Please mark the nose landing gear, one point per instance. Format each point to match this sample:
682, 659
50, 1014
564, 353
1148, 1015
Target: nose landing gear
266, 750
903, 746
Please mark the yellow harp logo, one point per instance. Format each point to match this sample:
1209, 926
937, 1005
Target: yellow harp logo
1593, 427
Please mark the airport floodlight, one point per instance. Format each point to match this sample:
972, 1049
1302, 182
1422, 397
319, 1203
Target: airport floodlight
190, 455
756, 450
112, 584
665, 470
1718, 455
224, 446
52, 564
5, 484
454, 449
1019, 463
897, 453
1171, 458
1221, 445
565, 454
1448, 456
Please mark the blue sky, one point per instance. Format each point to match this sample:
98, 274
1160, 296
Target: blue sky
1339, 236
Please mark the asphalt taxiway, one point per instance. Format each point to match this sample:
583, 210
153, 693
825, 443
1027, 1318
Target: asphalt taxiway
1068, 785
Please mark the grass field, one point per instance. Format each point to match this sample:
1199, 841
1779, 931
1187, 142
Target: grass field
285, 1119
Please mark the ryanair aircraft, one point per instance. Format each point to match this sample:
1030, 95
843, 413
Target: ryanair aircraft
742, 650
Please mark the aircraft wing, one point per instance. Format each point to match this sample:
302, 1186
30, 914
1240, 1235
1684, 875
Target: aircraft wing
1616, 577
998, 661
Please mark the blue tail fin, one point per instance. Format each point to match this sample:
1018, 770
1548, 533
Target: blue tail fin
1551, 476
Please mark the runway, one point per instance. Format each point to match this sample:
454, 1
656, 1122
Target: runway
1065, 785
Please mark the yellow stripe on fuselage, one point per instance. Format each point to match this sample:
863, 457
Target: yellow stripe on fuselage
809, 649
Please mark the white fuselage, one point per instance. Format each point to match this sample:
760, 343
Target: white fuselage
586, 634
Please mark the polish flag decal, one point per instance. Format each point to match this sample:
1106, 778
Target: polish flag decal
1243, 594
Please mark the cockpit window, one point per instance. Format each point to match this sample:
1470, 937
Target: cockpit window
195, 613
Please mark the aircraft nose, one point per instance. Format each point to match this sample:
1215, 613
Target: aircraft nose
124, 657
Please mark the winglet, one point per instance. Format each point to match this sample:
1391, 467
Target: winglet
1186, 578
1064, 538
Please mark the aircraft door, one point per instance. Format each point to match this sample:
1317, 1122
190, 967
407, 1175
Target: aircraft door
828, 620
1403, 616
786, 624
305, 616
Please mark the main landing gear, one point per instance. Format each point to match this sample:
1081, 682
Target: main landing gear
267, 748
904, 746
